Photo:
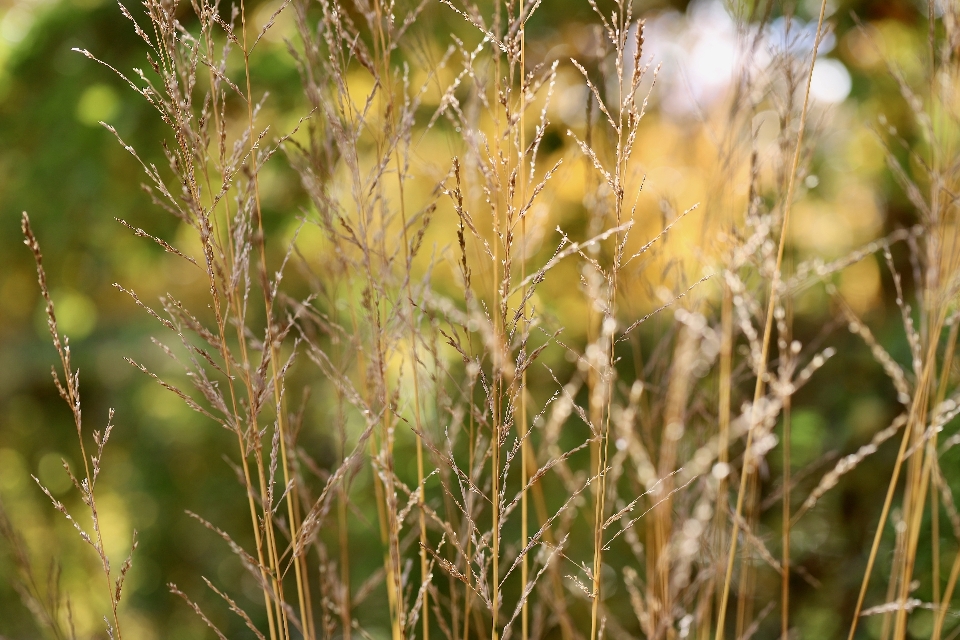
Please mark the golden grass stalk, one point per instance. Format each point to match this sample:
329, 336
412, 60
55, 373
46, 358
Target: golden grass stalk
771, 305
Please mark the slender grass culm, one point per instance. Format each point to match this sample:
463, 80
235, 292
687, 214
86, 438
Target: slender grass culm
485, 377
69, 389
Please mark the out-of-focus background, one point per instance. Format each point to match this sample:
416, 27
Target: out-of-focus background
74, 179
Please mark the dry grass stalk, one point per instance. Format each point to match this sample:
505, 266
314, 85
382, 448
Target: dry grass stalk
69, 389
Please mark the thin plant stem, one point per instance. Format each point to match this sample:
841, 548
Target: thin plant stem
498, 356
771, 305
785, 556
723, 447
471, 461
934, 501
884, 512
417, 417
293, 499
524, 444
918, 481
70, 392
941, 612
418, 421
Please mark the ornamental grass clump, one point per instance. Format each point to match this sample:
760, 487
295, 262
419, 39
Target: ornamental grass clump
598, 466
